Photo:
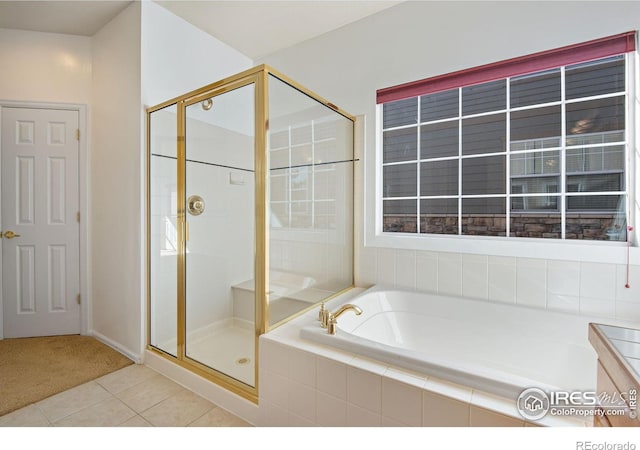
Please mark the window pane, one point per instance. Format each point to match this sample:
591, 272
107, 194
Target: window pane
534, 163
485, 134
400, 180
602, 182
599, 217
526, 203
400, 145
441, 105
402, 112
535, 225
542, 87
439, 178
484, 216
483, 175
595, 159
595, 78
439, 216
536, 128
484, 97
439, 140
399, 216
535, 185
595, 119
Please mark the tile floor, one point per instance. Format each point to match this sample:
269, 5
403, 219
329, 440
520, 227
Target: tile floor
135, 396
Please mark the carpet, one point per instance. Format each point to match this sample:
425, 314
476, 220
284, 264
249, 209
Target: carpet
32, 369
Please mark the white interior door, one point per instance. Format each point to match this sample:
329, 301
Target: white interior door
40, 229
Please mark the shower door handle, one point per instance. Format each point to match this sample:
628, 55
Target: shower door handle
10, 235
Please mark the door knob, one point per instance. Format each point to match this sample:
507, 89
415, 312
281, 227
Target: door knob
10, 235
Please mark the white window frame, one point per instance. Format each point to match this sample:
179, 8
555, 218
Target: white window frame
556, 249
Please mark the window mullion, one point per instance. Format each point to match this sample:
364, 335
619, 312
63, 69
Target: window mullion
508, 163
563, 157
418, 164
460, 161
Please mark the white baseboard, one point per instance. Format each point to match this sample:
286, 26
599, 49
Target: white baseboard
135, 357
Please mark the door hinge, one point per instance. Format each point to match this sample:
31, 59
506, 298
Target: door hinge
78, 299
78, 216
77, 134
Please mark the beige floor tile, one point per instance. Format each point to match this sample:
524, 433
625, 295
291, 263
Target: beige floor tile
125, 378
136, 422
219, 417
178, 410
72, 401
29, 416
144, 395
109, 413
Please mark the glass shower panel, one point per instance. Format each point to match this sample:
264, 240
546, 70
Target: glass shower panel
220, 248
310, 182
163, 239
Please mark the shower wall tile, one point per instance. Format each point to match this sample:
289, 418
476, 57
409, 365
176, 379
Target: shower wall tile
406, 269
628, 311
502, 279
475, 276
386, 267
450, 273
531, 282
427, 271
598, 280
366, 266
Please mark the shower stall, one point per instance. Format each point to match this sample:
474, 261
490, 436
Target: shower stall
250, 218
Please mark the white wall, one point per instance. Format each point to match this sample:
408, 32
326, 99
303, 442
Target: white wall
415, 40
116, 167
45, 67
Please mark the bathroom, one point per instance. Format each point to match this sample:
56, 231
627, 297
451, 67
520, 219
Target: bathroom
346, 66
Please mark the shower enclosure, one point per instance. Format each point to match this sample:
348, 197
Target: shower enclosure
250, 218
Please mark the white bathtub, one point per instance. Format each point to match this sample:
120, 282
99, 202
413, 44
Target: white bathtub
496, 348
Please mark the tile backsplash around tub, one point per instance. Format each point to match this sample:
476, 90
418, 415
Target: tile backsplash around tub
587, 288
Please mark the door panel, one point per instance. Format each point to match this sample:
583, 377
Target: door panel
40, 200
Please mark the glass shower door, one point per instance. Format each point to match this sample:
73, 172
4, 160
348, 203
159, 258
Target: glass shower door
220, 233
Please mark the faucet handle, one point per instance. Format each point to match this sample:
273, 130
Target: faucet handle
323, 316
332, 327
321, 312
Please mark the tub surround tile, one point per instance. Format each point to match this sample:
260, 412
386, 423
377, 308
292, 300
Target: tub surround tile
531, 282
598, 280
427, 271
563, 277
302, 400
389, 423
442, 411
366, 270
502, 279
386, 269
331, 377
564, 303
628, 311
274, 388
481, 417
359, 417
501, 405
598, 307
405, 277
408, 377
69, 402
299, 422
450, 274
274, 356
330, 411
475, 276
272, 415
401, 402
302, 367
109, 413
29, 416
364, 389
370, 365
632, 293
448, 389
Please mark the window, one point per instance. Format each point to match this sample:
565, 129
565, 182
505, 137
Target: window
536, 153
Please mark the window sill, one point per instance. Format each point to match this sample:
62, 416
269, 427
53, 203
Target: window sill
584, 251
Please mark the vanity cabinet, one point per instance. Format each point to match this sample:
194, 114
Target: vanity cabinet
618, 382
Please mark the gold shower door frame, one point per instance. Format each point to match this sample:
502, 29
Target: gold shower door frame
258, 76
